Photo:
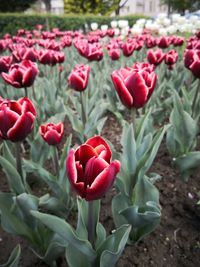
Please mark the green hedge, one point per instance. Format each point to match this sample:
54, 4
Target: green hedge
11, 22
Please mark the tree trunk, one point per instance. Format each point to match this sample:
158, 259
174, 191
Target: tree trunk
47, 5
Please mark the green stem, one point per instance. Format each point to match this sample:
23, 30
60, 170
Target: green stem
26, 92
34, 95
195, 98
56, 161
133, 115
91, 223
19, 160
83, 113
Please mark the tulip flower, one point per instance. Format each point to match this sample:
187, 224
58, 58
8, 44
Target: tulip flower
78, 78
114, 54
171, 58
22, 74
134, 86
52, 133
16, 119
155, 57
94, 52
128, 49
163, 42
90, 170
5, 62
192, 61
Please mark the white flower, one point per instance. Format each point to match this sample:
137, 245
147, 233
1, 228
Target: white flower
94, 26
140, 22
162, 16
113, 24
122, 23
117, 31
136, 30
162, 31
104, 27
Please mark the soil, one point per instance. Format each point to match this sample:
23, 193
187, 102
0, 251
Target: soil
175, 242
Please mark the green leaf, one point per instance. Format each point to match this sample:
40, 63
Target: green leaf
14, 258
64, 230
111, 249
14, 179
129, 148
8, 154
25, 203
188, 163
10, 220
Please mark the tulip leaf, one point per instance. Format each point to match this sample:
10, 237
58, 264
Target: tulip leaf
188, 163
14, 179
25, 203
14, 258
55, 249
43, 174
111, 249
119, 202
8, 154
129, 148
64, 230
10, 220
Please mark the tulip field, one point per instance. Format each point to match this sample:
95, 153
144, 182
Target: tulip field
99, 148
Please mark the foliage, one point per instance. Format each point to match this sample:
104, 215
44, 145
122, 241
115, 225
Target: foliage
67, 22
15, 5
94, 6
182, 5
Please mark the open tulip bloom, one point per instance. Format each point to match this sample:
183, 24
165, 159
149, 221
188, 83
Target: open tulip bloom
90, 170
16, 119
134, 85
22, 74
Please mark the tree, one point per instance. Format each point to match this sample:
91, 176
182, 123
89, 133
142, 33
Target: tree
15, 5
182, 5
91, 6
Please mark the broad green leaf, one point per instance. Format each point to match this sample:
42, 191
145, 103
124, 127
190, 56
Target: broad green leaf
14, 179
64, 230
111, 249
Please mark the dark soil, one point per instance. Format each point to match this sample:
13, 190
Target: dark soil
175, 242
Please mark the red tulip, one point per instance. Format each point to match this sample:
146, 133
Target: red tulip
114, 54
178, 41
16, 119
78, 78
94, 52
171, 58
52, 133
5, 62
163, 42
22, 53
192, 61
90, 170
128, 49
134, 87
155, 57
22, 74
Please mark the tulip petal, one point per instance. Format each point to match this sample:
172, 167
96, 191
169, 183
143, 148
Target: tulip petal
138, 89
21, 128
93, 168
72, 174
84, 153
103, 182
52, 137
121, 89
100, 145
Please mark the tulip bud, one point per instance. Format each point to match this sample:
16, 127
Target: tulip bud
90, 170
78, 78
52, 133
